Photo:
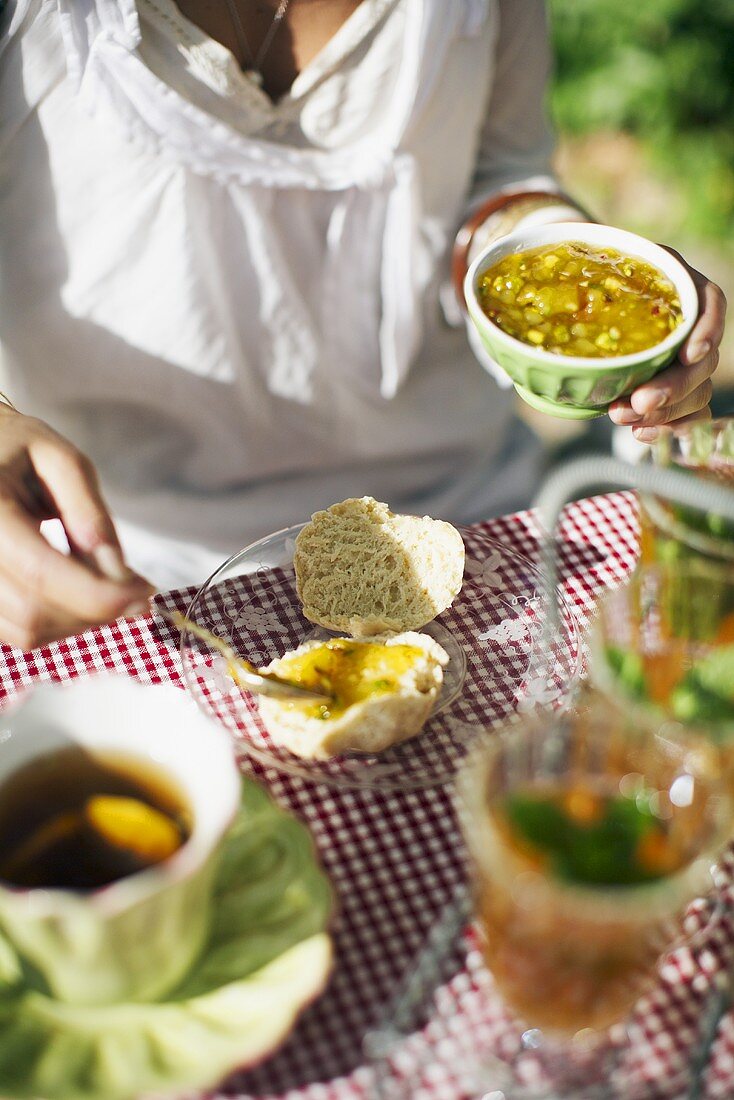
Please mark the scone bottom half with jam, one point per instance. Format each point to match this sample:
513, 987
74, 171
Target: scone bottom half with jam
383, 690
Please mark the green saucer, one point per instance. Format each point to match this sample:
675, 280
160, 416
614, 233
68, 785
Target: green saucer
267, 957
555, 408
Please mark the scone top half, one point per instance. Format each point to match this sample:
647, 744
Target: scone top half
363, 570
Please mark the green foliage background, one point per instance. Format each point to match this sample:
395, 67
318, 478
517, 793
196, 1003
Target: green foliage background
663, 71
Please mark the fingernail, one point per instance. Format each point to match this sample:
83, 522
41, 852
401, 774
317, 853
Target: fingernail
657, 399
137, 607
700, 351
647, 401
626, 416
646, 435
111, 564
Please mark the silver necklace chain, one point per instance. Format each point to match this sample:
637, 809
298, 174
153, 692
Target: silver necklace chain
255, 60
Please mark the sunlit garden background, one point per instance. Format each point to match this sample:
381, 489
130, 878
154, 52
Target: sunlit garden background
643, 100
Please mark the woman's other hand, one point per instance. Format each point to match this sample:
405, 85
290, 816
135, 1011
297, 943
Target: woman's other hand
682, 391
44, 593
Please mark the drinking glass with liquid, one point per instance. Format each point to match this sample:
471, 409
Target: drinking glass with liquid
588, 841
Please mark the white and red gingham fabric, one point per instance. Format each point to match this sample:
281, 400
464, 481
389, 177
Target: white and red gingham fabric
395, 859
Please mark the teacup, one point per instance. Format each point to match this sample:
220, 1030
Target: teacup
134, 938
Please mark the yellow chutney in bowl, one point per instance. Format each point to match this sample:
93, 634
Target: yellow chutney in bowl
579, 314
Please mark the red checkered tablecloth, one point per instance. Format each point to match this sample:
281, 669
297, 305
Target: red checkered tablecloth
395, 860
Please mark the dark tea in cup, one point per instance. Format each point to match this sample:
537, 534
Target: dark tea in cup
76, 820
101, 778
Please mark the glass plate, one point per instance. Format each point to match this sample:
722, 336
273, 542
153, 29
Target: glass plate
500, 654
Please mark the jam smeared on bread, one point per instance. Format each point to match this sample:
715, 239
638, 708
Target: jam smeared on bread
385, 689
349, 671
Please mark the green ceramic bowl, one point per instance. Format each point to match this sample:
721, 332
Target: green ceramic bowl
569, 386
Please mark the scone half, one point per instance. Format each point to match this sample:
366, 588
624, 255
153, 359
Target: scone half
364, 570
384, 690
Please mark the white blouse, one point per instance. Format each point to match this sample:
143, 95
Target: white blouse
233, 306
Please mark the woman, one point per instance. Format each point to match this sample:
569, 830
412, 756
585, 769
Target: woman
225, 241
